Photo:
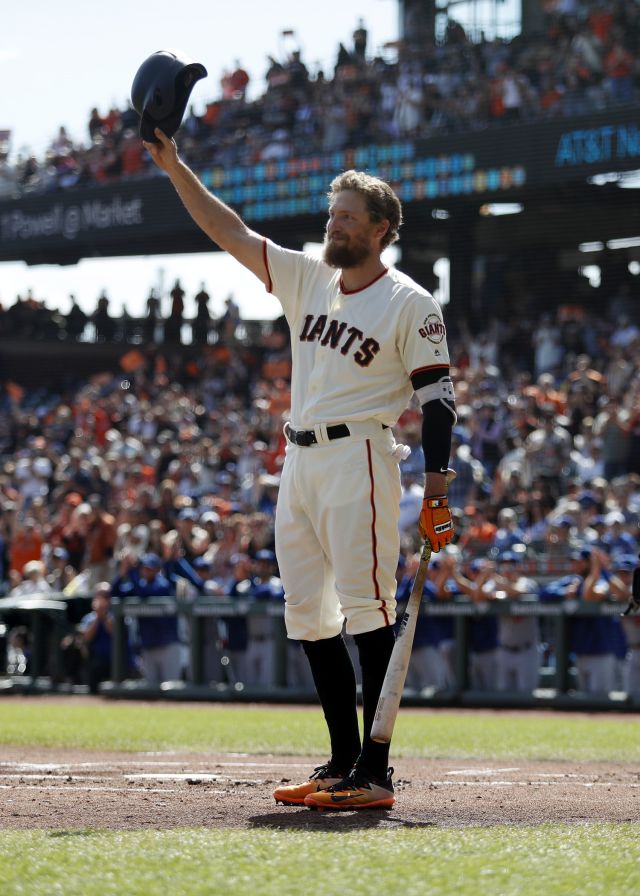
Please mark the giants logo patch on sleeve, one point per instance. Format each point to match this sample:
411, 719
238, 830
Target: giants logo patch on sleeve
432, 329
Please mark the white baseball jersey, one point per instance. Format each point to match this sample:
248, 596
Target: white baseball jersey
353, 352
337, 535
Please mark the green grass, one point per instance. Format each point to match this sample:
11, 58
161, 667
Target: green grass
301, 731
553, 860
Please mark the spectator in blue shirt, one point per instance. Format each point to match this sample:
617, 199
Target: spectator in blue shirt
509, 532
616, 539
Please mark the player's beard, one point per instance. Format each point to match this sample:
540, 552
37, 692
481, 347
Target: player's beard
348, 254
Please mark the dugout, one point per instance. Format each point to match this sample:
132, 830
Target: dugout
50, 618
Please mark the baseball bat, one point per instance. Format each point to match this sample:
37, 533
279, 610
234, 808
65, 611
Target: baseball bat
393, 684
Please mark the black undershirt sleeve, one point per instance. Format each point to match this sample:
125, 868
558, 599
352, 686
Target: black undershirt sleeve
437, 423
438, 417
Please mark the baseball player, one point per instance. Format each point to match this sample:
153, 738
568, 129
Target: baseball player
477, 581
159, 639
594, 639
430, 664
364, 339
266, 586
624, 585
518, 636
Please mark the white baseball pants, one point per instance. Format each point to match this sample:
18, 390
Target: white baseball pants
337, 534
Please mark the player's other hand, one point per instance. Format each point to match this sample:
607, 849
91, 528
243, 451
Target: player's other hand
435, 523
165, 152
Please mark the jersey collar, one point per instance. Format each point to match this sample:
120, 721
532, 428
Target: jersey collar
350, 292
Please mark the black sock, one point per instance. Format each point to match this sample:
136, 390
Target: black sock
374, 649
335, 681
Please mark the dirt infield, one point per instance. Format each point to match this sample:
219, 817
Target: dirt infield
70, 790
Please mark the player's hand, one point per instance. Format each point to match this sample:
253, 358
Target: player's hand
165, 152
435, 523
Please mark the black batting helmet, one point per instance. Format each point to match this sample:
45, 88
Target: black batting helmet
161, 89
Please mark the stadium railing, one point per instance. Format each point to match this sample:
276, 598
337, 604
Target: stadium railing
557, 687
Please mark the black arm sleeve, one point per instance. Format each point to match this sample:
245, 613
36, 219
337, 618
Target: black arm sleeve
437, 423
438, 417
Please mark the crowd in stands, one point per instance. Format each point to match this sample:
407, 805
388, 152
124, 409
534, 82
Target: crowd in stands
161, 479
585, 59
155, 480
30, 319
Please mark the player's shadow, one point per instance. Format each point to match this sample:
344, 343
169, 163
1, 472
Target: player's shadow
302, 819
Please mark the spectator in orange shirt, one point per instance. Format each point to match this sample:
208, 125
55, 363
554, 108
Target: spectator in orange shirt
112, 120
618, 68
212, 113
101, 425
550, 95
26, 545
101, 539
545, 395
239, 80
601, 20
132, 155
480, 533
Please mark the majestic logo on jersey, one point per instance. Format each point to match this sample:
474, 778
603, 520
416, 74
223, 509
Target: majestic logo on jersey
432, 329
340, 335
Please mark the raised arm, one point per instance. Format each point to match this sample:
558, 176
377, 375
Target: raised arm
217, 220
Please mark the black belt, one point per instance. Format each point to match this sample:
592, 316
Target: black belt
306, 437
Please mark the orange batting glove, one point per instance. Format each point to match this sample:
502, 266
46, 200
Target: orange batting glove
435, 524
